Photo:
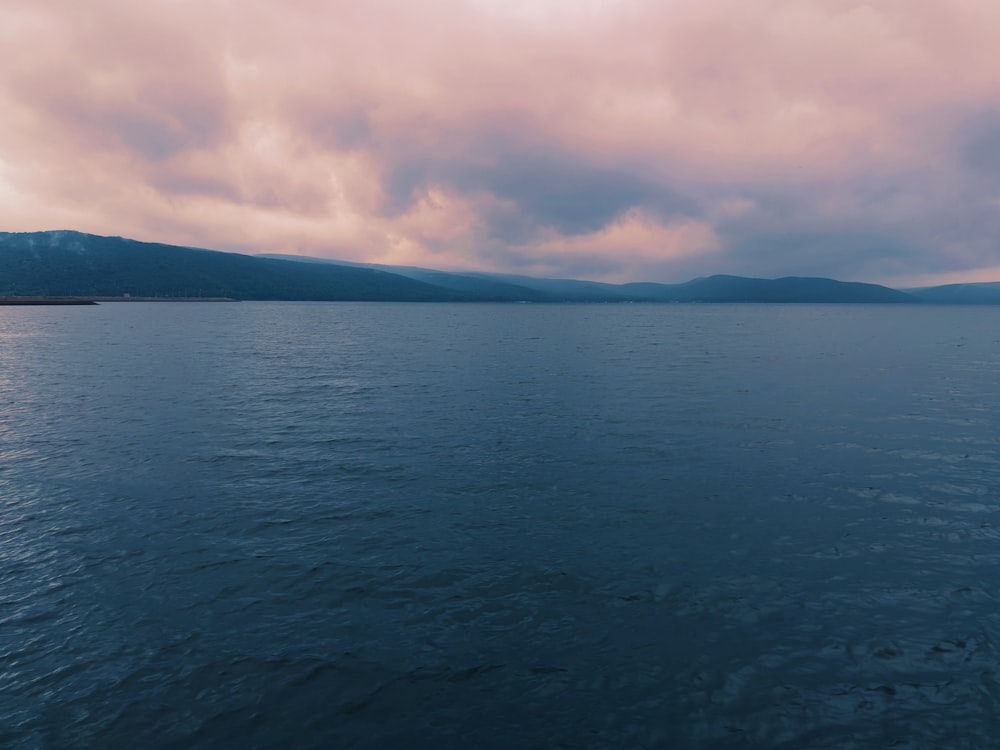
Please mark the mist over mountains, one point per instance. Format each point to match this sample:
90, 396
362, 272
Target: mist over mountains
73, 264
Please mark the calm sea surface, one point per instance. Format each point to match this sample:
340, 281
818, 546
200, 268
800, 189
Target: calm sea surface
499, 526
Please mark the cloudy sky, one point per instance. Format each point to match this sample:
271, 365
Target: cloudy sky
601, 139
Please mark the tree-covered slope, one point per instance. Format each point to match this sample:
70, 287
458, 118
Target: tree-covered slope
65, 263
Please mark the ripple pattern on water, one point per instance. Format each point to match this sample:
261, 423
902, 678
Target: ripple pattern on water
366, 525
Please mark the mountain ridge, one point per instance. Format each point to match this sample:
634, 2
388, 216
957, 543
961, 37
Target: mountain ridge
68, 263
716, 288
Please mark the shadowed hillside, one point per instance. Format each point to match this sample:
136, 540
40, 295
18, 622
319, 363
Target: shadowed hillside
74, 264
985, 293
711, 289
788, 289
68, 263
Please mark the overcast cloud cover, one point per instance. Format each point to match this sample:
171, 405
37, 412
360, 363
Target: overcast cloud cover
605, 139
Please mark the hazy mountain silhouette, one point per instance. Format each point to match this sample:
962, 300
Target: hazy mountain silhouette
788, 289
68, 263
984, 293
480, 285
711, 289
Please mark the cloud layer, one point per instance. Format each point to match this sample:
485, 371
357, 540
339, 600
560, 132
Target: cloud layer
606, 139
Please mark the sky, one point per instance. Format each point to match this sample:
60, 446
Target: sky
612, 140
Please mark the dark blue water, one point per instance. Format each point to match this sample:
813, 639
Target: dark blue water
532, 526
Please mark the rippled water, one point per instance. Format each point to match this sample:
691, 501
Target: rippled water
532, 526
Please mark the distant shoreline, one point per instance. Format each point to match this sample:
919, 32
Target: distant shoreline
164, 299
47, 301
99, 269
97, 300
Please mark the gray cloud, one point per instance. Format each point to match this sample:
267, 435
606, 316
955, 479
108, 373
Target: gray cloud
567, 193
661, 141
540, 186
979, 145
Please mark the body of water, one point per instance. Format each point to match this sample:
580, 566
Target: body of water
499, 526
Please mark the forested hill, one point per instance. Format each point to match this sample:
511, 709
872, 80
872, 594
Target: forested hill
66, 263
74, 264
718, 288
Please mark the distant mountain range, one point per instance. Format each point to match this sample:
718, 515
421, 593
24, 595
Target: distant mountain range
73, 264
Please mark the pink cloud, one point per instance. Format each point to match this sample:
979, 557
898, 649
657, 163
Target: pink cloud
480, 134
